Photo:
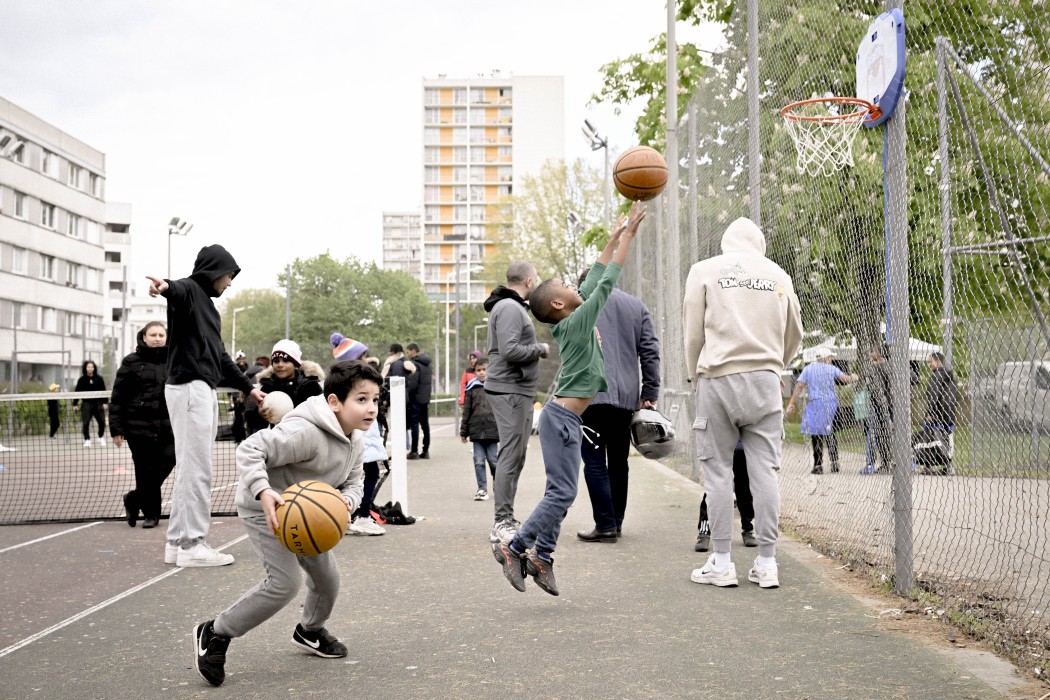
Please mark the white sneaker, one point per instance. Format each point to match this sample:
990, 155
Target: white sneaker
503, 531
87, 443
102, 442
365, 526
201, 555
765, 578
709, 573
481, 495
171, 553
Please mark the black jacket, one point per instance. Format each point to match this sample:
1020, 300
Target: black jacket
92, 383
194, 325
306, 382
137, 407
478, 421
942, 397
419, 384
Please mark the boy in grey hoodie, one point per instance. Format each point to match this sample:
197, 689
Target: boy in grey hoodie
322, 439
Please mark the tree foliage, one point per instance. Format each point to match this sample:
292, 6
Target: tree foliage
542, 232
359, 300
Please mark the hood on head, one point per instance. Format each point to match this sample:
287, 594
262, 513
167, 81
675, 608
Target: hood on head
422, 359
743, 236
213, 261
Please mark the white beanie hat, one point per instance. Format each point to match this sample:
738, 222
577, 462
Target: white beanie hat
288, 349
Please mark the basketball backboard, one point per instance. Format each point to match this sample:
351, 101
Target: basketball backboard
880, 64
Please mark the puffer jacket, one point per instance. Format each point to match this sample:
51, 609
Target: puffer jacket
136, 406
478, 422
307, 381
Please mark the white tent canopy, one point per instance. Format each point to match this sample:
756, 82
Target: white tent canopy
918, 350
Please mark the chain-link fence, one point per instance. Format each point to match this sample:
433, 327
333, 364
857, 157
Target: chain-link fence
943, 236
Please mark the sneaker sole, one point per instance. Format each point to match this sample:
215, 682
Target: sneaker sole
171, 558
198, 564
721, 583
316, 652
497, 552
763, 584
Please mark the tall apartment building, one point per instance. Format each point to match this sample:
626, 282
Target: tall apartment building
480, 136
402, 237
52, 215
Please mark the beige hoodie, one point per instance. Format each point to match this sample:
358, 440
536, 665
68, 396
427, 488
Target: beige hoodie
740, 311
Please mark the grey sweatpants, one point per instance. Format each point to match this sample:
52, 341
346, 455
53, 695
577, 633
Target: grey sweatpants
513, 413
281, 585
745, 406
194, 416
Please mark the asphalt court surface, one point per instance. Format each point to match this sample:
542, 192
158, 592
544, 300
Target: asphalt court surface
92, 612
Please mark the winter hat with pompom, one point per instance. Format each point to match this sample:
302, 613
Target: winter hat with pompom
347, 348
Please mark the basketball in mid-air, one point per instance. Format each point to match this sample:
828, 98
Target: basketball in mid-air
640, 173
274, 406
313, 518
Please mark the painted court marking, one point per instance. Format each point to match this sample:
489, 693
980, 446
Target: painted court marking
106, 603
56, 534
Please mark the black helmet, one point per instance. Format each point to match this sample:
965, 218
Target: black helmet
652, 433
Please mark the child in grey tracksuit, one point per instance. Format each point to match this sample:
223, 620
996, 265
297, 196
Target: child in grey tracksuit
320, 439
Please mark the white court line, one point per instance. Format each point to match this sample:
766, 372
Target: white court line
41, 539
106, 603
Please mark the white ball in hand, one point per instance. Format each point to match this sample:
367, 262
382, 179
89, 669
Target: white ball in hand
275, 406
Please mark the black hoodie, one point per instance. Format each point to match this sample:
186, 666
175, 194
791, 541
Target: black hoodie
513, 352
195, 349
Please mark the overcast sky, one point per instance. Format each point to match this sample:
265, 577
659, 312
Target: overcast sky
284, 129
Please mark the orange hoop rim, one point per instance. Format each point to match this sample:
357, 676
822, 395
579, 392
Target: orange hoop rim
868, 111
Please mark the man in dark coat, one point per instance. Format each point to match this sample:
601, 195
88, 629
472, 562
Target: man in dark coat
418, 389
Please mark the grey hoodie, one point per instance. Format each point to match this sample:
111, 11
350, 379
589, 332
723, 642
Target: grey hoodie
514, 354
740, 312
307, 444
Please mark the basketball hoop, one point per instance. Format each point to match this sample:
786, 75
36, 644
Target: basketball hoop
824, 130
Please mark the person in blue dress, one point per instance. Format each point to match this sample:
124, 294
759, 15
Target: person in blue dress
818, 419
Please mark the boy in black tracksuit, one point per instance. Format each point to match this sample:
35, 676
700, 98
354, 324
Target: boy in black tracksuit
197, 362
479, 424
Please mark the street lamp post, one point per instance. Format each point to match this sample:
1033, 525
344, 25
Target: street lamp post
233, 333
449, 278
176, 227
597, 141
481, 325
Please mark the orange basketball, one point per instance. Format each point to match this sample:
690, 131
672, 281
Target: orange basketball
640, 173
313, 518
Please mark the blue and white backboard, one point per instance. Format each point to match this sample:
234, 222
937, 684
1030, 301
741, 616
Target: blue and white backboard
880, 64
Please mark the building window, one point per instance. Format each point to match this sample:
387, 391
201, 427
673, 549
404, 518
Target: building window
91, 230
75, 174
47, 215
116, 286
73, 226
20, 154
477, 116
431, 174
431, 96
113, 256
20, 205
91, 280
431, 116
431, 194
19, 261
95, 183
74, 275
459, 96
49, 163
48, 320
431, 135
477, 96
47, 267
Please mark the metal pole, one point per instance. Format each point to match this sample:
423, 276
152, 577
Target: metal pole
672, 150
694, 231
287, 302
233, 333
448, 320
897, 336
606, 194
754, 164
947, 312
455, 361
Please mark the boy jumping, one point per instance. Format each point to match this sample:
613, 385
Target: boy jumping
573, 316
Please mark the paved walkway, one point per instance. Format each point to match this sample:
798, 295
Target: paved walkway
428, 614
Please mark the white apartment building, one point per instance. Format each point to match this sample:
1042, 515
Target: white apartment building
402, 242
52, 218
480, 136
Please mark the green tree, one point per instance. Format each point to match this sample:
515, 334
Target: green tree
542, 232
359, 300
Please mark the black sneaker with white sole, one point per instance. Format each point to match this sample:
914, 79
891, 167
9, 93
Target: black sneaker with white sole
542, 572
319, 642
210, 652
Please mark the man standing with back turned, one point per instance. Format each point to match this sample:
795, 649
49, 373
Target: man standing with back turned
513, 371
742, 326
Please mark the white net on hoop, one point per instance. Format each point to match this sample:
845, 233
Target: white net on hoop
824, 142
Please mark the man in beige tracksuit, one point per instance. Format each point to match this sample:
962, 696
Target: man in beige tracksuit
742, 326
